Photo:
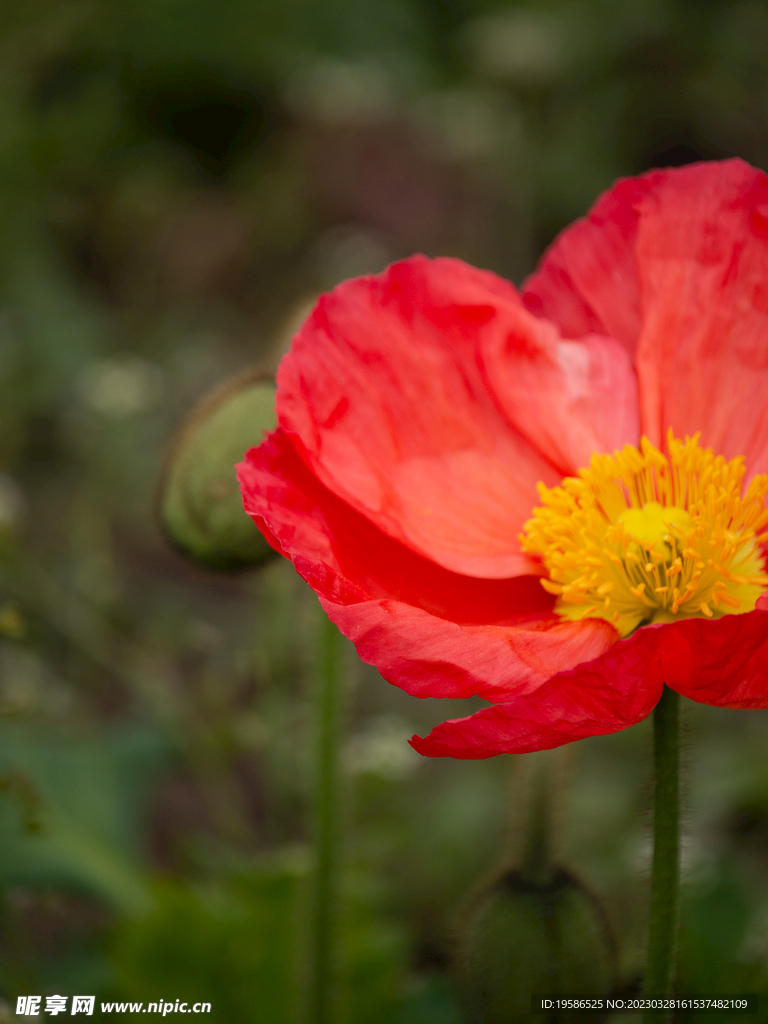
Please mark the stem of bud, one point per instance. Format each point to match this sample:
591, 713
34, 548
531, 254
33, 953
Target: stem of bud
537, 857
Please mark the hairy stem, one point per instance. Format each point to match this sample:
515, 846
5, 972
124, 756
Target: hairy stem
665, 874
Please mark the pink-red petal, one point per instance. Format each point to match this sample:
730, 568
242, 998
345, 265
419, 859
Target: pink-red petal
384, 397
588, 282
428, 630
723, 662
610, 693
674, 264
570, 398
702, 358
432, 657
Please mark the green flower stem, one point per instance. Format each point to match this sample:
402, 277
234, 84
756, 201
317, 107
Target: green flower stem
665, 874
329, 711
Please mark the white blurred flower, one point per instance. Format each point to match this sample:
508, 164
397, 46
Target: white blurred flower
520, 45
466, 124
339, 92
383, 749
121, 386
348, 251
12, 501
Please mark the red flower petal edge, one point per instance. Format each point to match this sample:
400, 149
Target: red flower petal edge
428, 630
724, 663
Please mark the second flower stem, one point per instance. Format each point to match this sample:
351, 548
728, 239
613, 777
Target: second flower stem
665, 872
324, 984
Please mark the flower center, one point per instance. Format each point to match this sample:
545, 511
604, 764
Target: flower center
639, 536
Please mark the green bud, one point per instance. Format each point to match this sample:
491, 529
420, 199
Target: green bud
200, 505
524, 937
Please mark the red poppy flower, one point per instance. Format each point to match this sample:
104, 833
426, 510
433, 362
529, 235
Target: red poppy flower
418, 411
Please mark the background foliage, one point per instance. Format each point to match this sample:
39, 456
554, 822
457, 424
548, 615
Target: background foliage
178, 180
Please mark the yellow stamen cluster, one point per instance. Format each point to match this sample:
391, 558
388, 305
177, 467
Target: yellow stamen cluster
639, 536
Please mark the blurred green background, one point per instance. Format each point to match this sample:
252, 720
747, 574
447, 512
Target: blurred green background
178, 181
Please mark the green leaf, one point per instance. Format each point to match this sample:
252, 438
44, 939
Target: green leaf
72, 812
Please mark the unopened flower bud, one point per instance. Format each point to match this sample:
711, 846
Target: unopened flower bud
523, 938
200, 505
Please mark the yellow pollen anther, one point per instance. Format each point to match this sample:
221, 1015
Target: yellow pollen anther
665, 535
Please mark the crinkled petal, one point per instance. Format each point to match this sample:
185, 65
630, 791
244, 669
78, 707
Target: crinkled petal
431, 631
674, 264
724, 662
430, 657
587, 282
570, 398
702, 359
384, 395
610, 693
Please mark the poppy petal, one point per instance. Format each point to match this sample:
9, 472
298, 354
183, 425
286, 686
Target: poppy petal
702, 359
616, 690
570, 398
429, 657
674, 264
383, 397
428, 630
723, 663
587, 281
